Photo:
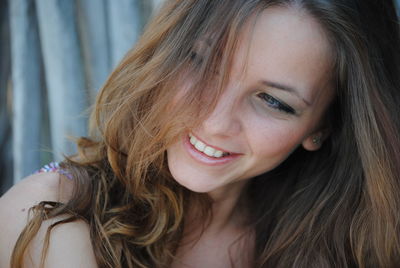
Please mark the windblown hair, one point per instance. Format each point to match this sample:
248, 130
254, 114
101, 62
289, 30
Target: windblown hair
340, 209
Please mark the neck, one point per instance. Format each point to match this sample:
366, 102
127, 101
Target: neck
226, 210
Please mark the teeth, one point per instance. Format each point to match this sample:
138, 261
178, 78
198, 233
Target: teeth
206, 149
209, 151
218, 153
200, 146
193, 140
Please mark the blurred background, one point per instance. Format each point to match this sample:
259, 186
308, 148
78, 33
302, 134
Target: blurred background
55, 55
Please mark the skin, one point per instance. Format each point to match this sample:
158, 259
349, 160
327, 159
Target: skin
288, 47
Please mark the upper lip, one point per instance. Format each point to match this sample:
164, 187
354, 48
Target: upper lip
215, 147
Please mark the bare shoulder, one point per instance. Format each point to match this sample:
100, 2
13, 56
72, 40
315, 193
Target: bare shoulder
69, 246
69, 243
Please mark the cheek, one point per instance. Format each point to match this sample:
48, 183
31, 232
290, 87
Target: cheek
275, 139
176, 165
180, 93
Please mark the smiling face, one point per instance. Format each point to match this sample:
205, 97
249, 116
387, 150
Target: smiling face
266, 111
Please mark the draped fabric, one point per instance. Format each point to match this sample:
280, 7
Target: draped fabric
55, 56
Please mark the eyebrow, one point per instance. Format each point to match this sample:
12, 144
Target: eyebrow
285, 88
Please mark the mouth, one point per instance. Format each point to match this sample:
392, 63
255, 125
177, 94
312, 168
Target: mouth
208, 150
207, 154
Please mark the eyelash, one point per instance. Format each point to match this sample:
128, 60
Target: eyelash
276, 104
194, 57
198, 60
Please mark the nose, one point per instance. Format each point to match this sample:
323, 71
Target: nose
224, 120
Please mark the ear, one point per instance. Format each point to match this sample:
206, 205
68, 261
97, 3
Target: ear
315, 140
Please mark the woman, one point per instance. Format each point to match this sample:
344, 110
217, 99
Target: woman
246, 133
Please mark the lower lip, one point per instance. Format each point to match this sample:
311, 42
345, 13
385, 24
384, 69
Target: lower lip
205, 159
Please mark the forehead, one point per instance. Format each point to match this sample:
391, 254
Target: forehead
286, 46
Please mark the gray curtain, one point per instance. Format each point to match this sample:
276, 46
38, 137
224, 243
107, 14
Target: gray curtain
6, 163
55, 55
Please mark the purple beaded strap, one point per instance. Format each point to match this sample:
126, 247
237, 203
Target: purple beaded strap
55, 167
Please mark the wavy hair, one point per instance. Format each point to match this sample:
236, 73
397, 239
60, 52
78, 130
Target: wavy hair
340, 209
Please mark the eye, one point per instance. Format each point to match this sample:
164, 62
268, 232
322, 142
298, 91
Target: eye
195, 58
275, 103
193, 55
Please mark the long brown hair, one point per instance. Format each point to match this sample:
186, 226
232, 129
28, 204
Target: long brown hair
337, 207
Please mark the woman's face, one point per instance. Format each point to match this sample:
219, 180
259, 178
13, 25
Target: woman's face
278, 91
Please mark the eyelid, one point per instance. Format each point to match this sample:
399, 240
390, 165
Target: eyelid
194, 55
283, 107
285, 88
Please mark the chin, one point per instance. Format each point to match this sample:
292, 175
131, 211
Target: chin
194, 184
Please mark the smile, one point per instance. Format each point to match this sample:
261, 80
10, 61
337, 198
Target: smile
207, 154
206, 149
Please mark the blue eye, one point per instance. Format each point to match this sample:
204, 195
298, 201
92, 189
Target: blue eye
276, 104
